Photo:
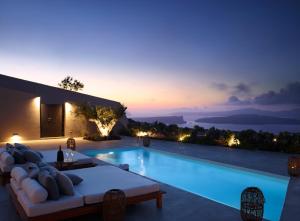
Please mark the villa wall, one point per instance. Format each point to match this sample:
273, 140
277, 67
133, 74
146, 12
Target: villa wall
77, 124
19, 113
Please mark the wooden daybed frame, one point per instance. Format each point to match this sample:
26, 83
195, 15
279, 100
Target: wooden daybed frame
5, 174
83, 210
4, 178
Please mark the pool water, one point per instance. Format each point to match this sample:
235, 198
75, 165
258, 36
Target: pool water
218, 182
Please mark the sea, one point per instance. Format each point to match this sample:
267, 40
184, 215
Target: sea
272, 128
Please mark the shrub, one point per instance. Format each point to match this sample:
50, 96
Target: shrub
247, 139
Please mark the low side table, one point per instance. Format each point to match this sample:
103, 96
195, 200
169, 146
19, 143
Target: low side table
78, 164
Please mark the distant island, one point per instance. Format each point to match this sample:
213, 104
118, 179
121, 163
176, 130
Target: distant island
294, 113
249, 119
165, 119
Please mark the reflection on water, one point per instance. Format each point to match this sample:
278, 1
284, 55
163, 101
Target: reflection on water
139, 157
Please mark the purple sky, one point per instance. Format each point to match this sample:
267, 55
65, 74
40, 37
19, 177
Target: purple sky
156, 56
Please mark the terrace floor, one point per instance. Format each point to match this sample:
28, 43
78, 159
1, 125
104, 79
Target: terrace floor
179, 204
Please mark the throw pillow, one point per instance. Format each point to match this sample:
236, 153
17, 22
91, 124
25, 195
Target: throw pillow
19, 174
18, 156
21, 147
49, 183
31, 156
65, 185
7, 159
52, 170
74, 178
32, 170
9, 147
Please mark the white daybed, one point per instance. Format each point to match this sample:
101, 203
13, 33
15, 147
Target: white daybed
49, 156
88, 194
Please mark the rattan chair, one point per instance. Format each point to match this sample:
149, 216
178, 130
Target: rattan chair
252, 204
114, 205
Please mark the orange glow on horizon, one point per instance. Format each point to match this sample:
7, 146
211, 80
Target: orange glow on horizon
136, 89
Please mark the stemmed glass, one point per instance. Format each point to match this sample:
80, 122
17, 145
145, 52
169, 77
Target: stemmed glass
72, 155
67, 156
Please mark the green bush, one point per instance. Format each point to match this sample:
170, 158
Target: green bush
249, 139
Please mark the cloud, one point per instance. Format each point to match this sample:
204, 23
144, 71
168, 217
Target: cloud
288, 95
220, 86
234, 100
242, 89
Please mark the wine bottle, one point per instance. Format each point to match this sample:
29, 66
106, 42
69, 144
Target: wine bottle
60, 155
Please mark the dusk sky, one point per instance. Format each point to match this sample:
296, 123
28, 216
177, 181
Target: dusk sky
159, 56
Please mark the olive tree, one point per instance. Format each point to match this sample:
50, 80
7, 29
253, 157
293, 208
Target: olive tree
71, 84
104, 117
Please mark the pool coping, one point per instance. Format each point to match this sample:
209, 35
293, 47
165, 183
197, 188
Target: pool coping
205, 160
269, 174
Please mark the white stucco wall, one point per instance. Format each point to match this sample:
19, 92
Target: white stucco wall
19, 113
76, 124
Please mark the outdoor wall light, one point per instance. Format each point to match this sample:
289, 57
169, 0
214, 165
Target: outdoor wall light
37, 102
15, 138
68, 107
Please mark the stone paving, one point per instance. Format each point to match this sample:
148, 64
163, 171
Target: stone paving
179, 204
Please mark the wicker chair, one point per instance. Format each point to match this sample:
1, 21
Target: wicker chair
114, 205
252, 204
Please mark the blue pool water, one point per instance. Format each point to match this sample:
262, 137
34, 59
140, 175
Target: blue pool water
218, 182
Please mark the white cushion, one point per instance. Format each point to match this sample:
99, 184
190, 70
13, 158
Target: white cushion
2, 149
49, 156
98, 180
7, 159
49, 206
6, 168
19, 174
14, 185
34, 191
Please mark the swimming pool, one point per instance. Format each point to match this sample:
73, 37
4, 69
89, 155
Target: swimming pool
218, 182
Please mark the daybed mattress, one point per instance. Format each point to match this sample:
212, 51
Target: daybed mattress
100, 179
49, 206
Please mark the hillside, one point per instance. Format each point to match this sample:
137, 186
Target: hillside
293, 113
165, 119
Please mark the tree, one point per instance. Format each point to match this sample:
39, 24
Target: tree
249, 139
105, 118
71, 84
